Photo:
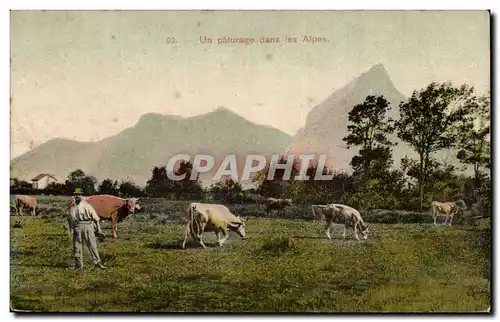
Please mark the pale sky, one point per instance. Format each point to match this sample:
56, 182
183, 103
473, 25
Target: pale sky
86, 75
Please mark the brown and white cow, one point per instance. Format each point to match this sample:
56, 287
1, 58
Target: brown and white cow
341, 214
447, 209
112, 208
277, 204
23, 201
211, 218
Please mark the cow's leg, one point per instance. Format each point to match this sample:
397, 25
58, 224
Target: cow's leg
200, 240
114, 220
186, 232
345, 230
226, 235
327, 229
435, 218
451, 218
217, 234
33, 213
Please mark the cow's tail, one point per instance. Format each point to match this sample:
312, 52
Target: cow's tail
194, 225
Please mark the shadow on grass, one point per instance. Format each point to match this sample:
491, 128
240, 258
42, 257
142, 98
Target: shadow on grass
178, 245
309, 237
56, 265
16, 253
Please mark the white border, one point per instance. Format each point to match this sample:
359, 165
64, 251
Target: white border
190, 5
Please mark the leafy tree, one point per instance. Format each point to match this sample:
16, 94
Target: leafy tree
130, 189
161, 186
276, 187
108, 187
227, 191
22, 187
368, 129
78, 179
76, 176
157, 186
56, 189
426, 122
186, 188
473, 144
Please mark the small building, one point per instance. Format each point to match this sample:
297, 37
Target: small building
13, 182
42, 180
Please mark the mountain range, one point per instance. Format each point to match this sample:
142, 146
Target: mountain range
326, 123
132, 153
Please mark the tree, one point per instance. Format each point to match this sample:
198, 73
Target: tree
130, 189
426, 122
276, 187
157, 186
474, 133
227, 191
368, 129
161, 186
76, 176
186, 188
108, 187
79, 179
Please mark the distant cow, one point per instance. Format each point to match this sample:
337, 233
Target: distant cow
277, 204
112, 208
23, 201
341, 214
447, 209
211, 218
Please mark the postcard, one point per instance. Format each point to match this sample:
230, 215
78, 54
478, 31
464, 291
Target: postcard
250, 161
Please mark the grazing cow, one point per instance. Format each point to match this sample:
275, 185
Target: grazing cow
341, 214
447, 209
277, 204
112, 208
23, 201
211, 218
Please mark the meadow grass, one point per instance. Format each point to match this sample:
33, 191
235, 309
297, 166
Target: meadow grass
282, 265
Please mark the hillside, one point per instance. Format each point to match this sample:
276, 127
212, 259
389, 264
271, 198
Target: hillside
326, 124
135, 151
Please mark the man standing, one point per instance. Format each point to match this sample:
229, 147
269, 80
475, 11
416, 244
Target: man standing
81, 219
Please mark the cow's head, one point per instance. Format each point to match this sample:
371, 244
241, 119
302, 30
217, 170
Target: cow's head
133, 205
238, 227
364, 230
288, 202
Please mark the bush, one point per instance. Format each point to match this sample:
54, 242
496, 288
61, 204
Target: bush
397, 217
278, 245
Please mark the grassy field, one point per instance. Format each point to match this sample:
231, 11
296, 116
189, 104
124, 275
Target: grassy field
283, 265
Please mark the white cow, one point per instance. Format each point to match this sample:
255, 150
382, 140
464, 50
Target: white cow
341, 214
277, 204
211, 217
447, 209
